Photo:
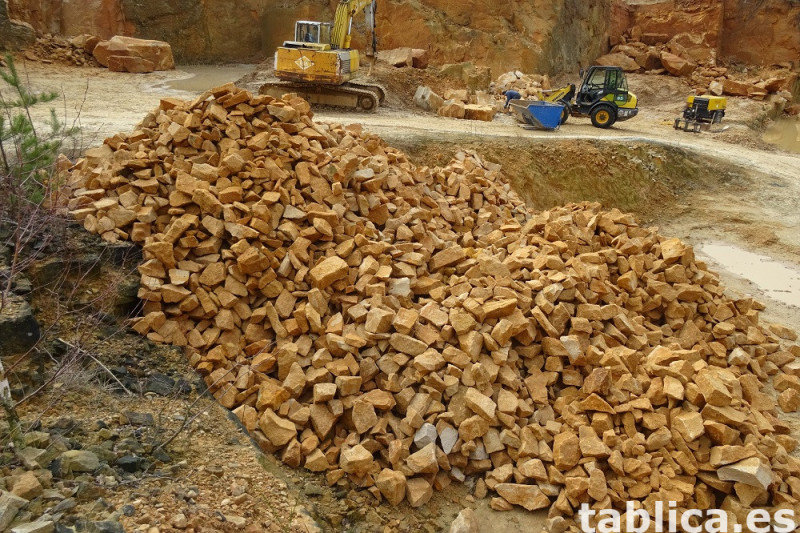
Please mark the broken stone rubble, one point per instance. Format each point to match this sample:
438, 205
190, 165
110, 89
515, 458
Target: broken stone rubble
350, 301
457, 104
693, 56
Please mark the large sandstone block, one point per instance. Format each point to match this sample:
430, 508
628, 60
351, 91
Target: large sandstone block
427, 99
485, 113
653, 39
677, 66
132, 64
143, 54
398, 57
460, 95
452, 109
736, 88
648, 60
419, 58
618, 59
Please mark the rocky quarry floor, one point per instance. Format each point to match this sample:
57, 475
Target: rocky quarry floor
405, 334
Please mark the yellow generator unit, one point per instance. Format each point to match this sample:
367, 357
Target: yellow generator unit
701, 110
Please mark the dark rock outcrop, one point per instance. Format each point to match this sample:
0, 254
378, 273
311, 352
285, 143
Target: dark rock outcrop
19, 330
14, 35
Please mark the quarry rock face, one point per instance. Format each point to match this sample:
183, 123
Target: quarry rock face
762, 34
703, 18
699, 41
535, 36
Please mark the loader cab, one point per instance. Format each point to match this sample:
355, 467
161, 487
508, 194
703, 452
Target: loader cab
600, 82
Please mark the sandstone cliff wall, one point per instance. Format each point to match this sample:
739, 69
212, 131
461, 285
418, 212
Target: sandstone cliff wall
545, 36
538, 35
756, 33
765, 33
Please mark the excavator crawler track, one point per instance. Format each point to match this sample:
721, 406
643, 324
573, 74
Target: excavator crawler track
372, 87
360, 95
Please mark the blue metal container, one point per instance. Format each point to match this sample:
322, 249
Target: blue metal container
547, 114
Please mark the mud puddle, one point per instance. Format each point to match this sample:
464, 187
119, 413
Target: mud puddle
784, 133
199, 78
775, 279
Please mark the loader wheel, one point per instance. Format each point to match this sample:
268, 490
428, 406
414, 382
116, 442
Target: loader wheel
603, 116
566, 112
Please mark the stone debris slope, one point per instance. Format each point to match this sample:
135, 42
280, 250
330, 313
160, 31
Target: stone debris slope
409, 327
691, 57
118, 54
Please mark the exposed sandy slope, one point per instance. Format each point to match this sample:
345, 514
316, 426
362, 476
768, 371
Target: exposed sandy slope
761, 215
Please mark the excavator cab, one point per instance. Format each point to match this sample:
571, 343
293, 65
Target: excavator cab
308, 31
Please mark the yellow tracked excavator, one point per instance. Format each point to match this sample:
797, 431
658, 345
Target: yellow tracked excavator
320, 66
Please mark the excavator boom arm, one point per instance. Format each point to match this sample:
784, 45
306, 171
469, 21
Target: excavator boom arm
343, 22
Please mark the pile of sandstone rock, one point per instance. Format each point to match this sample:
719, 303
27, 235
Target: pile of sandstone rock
458, 103
119, 54
407, 328
686, 55
54, 49
529, 86
482, 105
